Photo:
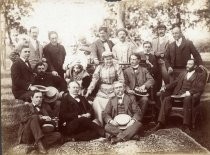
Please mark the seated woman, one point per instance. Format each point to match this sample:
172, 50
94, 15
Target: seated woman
76, 117
33, 117
77, 73
104, 75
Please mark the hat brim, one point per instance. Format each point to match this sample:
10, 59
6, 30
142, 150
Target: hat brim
50, 100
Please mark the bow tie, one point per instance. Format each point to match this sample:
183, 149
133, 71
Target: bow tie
135, 69
103, 41
119, 97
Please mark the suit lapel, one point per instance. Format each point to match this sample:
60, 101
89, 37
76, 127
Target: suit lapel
27, 67
182, 43
125, 102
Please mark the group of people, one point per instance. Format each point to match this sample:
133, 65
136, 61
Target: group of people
102, 89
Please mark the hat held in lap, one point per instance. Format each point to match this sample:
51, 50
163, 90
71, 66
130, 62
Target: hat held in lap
51, 95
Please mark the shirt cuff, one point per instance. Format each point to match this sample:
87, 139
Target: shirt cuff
188, 93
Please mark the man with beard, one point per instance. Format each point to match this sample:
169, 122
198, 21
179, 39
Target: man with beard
189, 83
101, 45
47, 79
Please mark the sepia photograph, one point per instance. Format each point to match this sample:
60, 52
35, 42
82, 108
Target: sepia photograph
105, 77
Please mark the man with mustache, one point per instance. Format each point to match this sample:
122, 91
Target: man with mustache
189, 83
48, 79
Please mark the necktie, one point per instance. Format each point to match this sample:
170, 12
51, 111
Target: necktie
27, 63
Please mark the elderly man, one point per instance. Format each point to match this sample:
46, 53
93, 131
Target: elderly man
189, 83
35, 47
159, 46
179, 52
138, 80
55, 54
33, 117
76, 117
122, 105
123, 49
22, 76
101, 45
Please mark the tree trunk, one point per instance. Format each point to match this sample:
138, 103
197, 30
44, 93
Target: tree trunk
121, 14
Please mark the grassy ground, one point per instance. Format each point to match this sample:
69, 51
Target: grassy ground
10, 121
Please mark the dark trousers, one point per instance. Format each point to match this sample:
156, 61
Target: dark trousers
82, 129
142, 101
123, 134
166, 109
176, 71
32, 132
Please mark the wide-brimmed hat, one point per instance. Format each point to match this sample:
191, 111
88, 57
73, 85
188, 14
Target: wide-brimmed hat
51, 95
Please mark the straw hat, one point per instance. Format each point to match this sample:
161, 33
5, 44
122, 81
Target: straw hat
51, 95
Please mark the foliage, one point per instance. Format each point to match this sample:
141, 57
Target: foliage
13, 11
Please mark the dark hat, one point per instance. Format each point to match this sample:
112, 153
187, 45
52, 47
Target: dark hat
122, 29
161, 26
103, 28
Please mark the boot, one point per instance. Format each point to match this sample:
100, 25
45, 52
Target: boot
41, 148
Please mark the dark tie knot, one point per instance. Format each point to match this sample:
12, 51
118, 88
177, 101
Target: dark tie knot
135, 69
119, 97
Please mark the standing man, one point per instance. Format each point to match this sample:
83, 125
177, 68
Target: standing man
138, 79
159, 45
55, 54
101, 45
123, 49
179, 52
35, 47
22, 76
122, 104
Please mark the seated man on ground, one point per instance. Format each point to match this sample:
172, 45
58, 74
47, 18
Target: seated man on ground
138, 80
189, 85
122, 105
76, 117
33, 118
48, 79
22, 76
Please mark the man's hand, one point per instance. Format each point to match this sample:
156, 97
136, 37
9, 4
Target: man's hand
170, 70
96, 61
46, 118
54, 73
163, 89
142, 88
202, 67
113, 123
131, 92
130, 123
87, 115
88, 93
187, 93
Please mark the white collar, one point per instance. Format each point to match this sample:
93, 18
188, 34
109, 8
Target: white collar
24, 60
179, 41
135, 66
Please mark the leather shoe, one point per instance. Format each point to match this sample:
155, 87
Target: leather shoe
116, 140
157, 127
41, 148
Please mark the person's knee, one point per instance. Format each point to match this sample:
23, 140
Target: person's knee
57, 135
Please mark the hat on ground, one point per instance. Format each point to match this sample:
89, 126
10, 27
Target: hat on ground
122, 29
51, 95
107, 54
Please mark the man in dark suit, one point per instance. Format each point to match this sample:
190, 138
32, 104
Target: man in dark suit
55, 55
138, 79
188, 85
76, 116
101, 45
32, 117
22, 76
179, 52
47, 79
122, 104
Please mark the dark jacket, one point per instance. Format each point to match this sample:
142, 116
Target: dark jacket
187, 48
47, 79
55, 56
22, 77
198, 83
70, 109
131, 108
98, 48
